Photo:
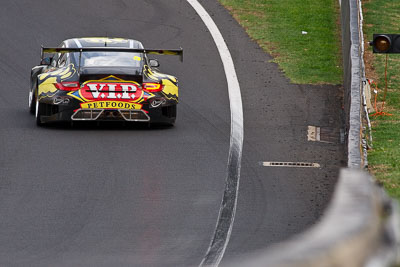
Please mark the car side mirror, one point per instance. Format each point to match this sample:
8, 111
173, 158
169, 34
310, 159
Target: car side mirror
46, 61
154, 63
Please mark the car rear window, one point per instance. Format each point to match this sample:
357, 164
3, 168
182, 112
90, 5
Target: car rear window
110, 59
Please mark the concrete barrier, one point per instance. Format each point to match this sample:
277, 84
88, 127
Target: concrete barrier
352, 80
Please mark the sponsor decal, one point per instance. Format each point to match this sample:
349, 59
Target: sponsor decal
111, 93
121, 91
157, 102
111, 105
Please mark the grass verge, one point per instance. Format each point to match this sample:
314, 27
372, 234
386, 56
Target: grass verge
302, 35
382, 16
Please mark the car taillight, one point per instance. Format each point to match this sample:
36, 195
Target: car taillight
152, 87
67, 86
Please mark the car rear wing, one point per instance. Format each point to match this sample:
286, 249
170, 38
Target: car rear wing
172, 52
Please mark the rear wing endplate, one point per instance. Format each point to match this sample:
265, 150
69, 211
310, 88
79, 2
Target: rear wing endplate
171, 52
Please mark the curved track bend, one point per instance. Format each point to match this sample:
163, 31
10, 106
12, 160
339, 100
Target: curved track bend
116, 196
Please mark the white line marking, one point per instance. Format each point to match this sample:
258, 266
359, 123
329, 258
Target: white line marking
216, 250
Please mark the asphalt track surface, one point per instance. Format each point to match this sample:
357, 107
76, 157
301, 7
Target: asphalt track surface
112, 195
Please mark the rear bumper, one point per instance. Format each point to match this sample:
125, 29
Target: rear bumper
64, 108
164, 114
84, 114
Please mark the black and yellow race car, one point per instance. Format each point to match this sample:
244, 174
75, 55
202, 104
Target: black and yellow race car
102, 79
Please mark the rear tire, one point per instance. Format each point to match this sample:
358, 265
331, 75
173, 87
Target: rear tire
175, 114
32, 102
32, 96
170, 112
171, 124
39, 111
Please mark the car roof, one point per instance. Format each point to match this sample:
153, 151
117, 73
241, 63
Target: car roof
102, 42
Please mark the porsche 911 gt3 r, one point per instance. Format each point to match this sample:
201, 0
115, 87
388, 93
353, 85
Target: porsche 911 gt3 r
102, 79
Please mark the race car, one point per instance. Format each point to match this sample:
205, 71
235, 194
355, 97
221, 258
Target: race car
102, 79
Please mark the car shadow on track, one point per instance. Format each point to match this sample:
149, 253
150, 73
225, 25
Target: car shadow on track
136, 126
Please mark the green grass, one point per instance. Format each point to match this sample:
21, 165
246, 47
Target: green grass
382, 16
277, 26
384, 158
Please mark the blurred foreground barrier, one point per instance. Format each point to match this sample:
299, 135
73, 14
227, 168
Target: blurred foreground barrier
359, 228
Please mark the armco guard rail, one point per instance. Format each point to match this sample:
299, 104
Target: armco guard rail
360, 228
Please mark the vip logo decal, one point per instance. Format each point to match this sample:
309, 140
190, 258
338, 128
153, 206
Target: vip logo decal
93, 91
111, 93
